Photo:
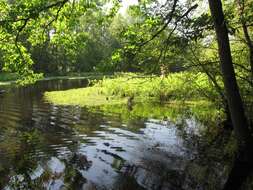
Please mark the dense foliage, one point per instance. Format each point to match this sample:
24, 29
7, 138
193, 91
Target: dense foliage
154, 38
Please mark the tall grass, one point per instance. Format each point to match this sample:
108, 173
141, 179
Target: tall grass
182, 86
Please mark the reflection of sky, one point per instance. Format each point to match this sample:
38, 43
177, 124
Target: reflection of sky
136, 149
111, 149
144, 150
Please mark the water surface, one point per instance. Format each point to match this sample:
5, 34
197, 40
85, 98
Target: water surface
44, 146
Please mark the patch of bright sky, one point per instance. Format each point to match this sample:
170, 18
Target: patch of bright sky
126, 4
203, 5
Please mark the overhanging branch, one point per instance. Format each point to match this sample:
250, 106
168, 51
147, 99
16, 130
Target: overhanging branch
169, 19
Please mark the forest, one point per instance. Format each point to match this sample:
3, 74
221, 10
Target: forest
126, 94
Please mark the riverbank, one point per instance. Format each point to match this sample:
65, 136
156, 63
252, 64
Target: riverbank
11, 78
112, 137
76, 76
126, 88
7, 78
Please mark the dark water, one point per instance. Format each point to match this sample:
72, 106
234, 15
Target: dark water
44, 146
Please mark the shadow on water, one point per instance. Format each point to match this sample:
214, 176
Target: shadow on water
44, 146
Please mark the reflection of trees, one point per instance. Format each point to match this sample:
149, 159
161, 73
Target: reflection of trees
167, 170
36, 132
149, 174
206, 165
69, 177
126, 182
20, 150
29, 128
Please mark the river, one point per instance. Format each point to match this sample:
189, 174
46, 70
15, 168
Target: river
44, 146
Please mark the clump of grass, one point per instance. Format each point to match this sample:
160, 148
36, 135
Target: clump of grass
184, 86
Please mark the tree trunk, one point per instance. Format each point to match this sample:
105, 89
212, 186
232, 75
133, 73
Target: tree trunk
239, 121
246, 34
231, 88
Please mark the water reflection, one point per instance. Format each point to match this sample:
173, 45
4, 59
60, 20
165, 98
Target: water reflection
44, 146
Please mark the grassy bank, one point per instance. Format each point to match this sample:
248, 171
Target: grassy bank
73, 76
12, 78
183, 86
7, 78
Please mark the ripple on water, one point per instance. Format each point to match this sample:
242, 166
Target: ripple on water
73, 148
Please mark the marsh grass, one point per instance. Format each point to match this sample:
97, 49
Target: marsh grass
90, 96
184, 87
176, 98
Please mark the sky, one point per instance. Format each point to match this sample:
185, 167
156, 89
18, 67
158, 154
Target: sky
127, 3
